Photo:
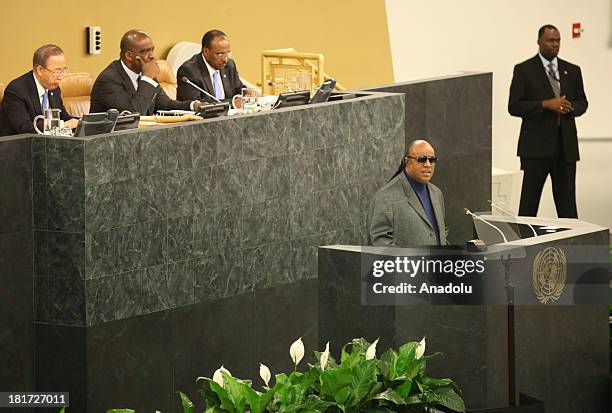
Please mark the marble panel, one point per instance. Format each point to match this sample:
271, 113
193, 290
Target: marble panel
39, 159
154, 198
180, 194
67, 301
180, 238
278, 131
130, 364
228, 231
301, 216
275, 331
127, 156
155, 292
301, 131
277, 177
98, 154
181, 285
100, 209
66, 207
301, 173
66, 255
180, 148
127, 199
229, 135
204, 149
324, 166
127, 289
154, 152
204, 186
325, 205
255, 230
205, 234
65, 162
101, 253
39, 206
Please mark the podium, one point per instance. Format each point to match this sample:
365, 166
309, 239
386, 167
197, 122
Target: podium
562, 342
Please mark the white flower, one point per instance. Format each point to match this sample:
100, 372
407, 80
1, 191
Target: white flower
296, 351
325, 356
264, 373
371, 351
420, 350
218, 377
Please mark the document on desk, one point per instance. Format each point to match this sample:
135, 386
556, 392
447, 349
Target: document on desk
175, 112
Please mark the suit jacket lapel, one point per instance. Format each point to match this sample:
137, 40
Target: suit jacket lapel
129, 86
205, 75
541, 71
227, 87
33, 94
562, 75
413, 199
435, 202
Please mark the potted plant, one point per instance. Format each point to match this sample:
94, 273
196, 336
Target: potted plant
360, 382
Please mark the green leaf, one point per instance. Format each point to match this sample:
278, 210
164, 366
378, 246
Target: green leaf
390, 395
186, 403
224, 399
363, 378
449, 399
341, 396
404, 389
437, 382
332, 381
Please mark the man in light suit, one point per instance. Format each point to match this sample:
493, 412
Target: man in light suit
212, 70
129, 83
26, 96
547, 93
409, 211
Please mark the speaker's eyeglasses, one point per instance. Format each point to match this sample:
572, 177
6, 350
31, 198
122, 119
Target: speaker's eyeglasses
422, 159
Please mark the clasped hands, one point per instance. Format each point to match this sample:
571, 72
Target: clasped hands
558, 105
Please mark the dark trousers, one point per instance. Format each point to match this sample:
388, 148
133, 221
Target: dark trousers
563, 175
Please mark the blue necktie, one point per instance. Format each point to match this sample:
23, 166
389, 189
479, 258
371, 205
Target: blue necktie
45, 100
218, 85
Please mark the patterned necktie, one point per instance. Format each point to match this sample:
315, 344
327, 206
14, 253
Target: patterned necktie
45, 100
552, 78
218, 86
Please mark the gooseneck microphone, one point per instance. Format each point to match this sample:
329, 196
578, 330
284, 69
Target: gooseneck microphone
494, 205
189, 82
468, 212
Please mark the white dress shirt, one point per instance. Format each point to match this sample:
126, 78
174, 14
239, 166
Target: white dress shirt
41, 91
211, 71
555, 65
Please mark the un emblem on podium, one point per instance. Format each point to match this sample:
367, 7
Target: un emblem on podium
549, 274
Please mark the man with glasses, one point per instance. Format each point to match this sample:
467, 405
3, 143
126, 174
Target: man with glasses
548, 94
129, 83
409, 211
27, 96
212, 70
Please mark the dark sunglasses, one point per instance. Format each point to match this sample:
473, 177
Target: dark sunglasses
422, 159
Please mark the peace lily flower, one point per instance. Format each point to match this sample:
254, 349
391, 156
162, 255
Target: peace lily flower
264, 373
218, 377
325, 357
371, 351
296, 351
420, 350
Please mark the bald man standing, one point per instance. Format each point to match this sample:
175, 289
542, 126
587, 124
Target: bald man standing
129, 83
409, 210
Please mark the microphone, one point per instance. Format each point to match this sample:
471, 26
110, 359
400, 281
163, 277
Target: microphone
494, 205
189, 82
468, 212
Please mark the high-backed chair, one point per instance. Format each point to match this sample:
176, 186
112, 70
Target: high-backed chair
167, 79
76, 93
285, 70
2, 87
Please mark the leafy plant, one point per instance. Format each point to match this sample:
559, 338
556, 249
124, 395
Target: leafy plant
396, 382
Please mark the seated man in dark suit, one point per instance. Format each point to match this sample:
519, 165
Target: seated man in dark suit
26, 96
409, 210
129, 83
212, 70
